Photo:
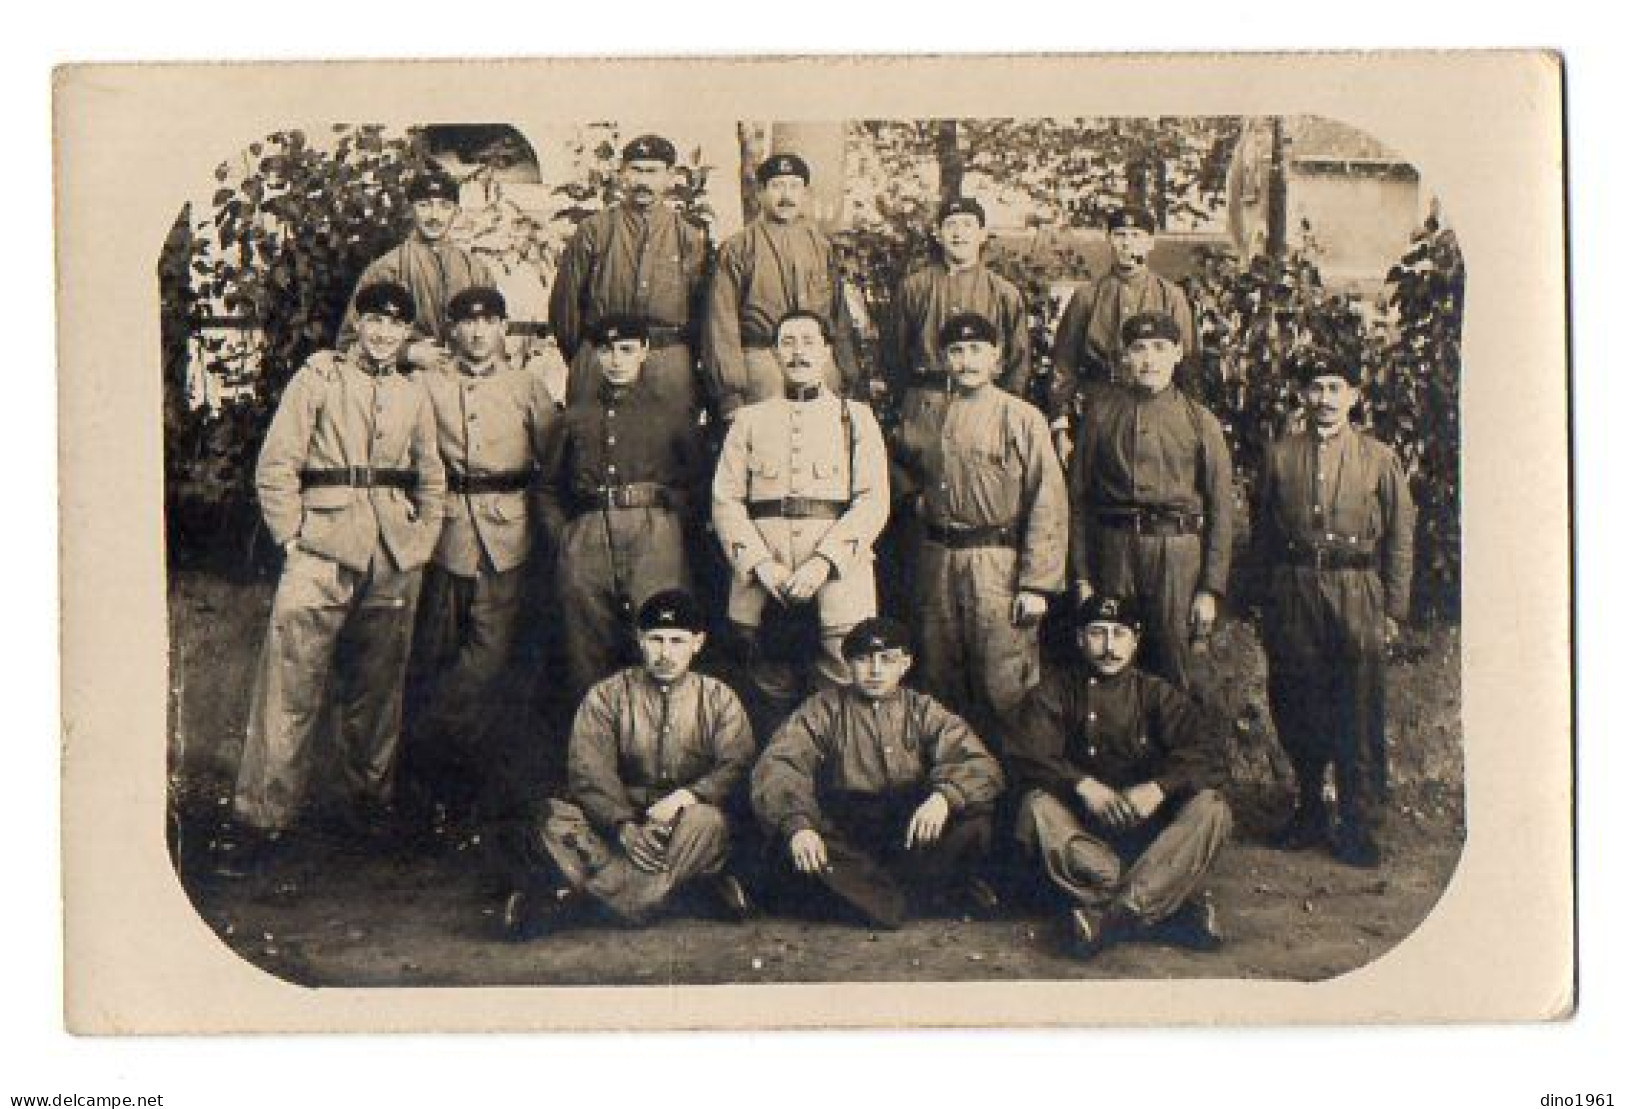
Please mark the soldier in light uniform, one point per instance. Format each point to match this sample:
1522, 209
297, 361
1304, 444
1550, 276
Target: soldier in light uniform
1121, 776
494, 421
642, 259
1088, 351
351, 487
800, 493
994, 504
430, 265
780, 264
620, 482
655, 752
876, 792
916, 367
1334, 522
1152, 509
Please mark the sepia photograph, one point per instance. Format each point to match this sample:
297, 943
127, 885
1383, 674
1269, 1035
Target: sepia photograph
607, 545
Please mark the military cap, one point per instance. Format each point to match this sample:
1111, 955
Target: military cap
783, 165
386, 298
649, 148
1151, 325
671, 609
433, 184
617, 326
1132, 215
1105, 608
969, 327
477, 302
874, 635
962, 206
1308, 363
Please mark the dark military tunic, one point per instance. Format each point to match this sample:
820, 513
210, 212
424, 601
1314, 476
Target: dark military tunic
1123, 730
1334, 521
1088, 348
620, 482
627, 261
1153, 512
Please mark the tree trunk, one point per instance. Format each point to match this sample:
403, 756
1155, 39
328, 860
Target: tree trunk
950, 161
752, 149
1275, 199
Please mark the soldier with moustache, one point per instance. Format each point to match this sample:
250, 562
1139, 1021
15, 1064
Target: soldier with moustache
1088, 351
780, 264
994, 505
1152, 508
620, 485
1334, 523
351, 487
799, 496
431, 267
638, 259
494, 421
1121, 777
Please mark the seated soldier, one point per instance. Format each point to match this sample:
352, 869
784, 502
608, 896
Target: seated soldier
654, 753
1121, 775
877, 791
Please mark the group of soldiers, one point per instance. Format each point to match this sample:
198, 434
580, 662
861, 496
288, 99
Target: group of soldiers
411, 474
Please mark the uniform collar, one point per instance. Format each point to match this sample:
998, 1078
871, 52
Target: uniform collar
374, 369
803, 392
618, 394
490, 369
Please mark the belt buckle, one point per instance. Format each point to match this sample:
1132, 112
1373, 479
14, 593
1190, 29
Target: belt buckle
361, 476
795, 508
1323, 558
615, 496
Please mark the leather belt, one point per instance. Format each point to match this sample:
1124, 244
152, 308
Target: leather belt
965, 538
642, 494
1328, 558
797, 508
1150, 521
360, 477
505, 481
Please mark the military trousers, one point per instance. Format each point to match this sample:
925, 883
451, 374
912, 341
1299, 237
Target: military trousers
870, 870
973, 658
1161, 572
332, 628
461, 680
669, 373
1323, 643
610, 561
563, 839
1149, 871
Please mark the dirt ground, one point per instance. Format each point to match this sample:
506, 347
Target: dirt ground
335, 916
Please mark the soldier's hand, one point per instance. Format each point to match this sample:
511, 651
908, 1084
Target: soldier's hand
1390, 630
290, 546
808, 579
1028, 608
665, 810
1204, 612
1105, 804
927, 822
642, 847
807, 852
1145, 799
773, 576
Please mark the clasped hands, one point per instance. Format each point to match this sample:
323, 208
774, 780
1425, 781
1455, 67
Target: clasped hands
645, 843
